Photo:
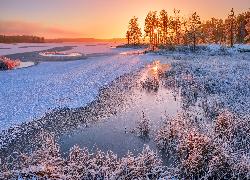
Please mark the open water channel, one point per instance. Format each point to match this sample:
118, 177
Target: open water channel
116, 133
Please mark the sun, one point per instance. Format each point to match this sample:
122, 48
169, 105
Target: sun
155, 67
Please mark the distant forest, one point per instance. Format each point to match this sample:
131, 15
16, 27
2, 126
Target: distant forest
89, 40
36, 39
21, 39
186, 31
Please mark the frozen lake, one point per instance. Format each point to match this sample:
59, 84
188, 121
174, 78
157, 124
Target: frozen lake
83, 48
28, 93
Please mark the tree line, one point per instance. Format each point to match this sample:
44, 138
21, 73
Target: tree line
189, 31
21, 39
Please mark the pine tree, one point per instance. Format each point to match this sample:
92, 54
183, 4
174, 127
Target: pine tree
128, 36
195, 25
217, 25
151, 23
177, 26
185, 30
202, 34
231, 28
211, 31
220, 31
134, 31
247, 27
164, 22
210, 35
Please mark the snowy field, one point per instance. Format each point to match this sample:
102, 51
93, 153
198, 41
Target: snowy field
28, 93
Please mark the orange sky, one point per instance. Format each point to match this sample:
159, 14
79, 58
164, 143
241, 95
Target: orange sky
98, 18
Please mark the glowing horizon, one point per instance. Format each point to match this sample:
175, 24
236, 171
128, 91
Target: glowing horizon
98, 19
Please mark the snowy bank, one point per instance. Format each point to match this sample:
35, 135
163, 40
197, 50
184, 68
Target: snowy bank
29, 93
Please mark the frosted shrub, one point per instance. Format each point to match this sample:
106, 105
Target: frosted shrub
150, 84
46, 163
218, 147
224, 125
6, 63
189, 90
168, 136
143, 129
180, 137
199, 153
233, 129
146, 165
43, 162
197, 150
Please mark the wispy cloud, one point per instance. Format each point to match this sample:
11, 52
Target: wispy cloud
23, 27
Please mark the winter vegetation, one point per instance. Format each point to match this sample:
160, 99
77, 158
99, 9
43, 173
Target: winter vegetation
6, 63
215, 145
143, 128
47, 163
189, 31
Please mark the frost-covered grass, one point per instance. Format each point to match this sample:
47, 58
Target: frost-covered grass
47, 163
213, 50
218, 151
219, 82
212, 143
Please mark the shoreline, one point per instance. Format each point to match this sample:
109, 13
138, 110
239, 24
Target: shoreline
36, 57
111, 99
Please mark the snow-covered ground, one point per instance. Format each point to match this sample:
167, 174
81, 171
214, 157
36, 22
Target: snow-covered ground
28, 93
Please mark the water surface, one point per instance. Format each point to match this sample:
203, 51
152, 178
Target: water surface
114, 133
